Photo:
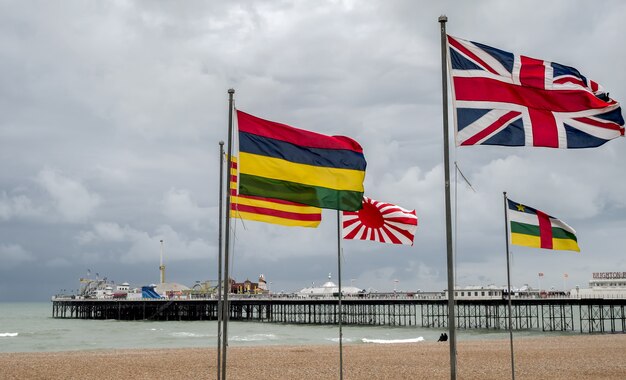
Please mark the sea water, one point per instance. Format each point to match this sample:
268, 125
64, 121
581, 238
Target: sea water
27, 327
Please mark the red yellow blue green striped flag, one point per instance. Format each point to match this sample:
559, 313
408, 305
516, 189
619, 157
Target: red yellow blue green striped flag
533, 228
283, 162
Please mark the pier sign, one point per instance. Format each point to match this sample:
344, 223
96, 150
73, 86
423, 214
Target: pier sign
609, 275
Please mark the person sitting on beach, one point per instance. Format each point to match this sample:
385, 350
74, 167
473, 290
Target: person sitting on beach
443, 337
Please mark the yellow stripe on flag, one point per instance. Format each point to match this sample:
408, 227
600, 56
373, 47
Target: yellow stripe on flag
535, 242
526, 240
274, 168
565, 244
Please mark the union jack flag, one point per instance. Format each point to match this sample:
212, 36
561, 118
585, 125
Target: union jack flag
507, 99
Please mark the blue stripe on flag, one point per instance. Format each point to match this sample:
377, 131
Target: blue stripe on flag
332, 158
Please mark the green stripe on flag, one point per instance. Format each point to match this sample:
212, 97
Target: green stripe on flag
559, 233
317, 196
529, 229
525, 229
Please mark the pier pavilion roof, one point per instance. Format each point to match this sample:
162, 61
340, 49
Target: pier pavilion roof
328, 289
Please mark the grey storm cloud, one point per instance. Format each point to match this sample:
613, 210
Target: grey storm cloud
111, 114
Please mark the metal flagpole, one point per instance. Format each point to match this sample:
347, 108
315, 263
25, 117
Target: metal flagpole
219, 264
226, 306
339, 288
446, 167
508, 279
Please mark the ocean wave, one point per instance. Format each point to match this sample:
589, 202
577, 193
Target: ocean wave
2, 335
253, 338
184, 334
336, 340
392, 341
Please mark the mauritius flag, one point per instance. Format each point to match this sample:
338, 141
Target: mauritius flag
533, 228
283, 162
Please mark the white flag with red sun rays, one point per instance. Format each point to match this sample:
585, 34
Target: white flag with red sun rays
381, 222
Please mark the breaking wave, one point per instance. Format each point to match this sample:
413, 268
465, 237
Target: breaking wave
253, 338
392, 341
188, 335
336, 340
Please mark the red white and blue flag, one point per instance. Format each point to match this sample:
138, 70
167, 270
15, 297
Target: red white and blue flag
380, 221
508, 99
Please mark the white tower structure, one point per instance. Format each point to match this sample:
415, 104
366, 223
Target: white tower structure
162, 267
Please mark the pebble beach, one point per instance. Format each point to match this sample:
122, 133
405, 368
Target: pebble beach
563, 357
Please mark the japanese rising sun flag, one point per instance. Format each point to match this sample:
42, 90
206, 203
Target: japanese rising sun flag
501, 98
533, 228
381, 222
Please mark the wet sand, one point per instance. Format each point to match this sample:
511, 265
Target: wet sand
570, 357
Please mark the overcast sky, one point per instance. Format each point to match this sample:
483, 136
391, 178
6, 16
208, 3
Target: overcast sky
111, 113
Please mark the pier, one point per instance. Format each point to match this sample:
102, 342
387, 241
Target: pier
559, 314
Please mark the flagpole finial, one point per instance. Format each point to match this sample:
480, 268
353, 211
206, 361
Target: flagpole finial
443, 18
221, 143
231, 90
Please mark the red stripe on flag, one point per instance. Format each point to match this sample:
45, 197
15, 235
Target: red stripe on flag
348, 223
545, 229
491, 90
391, 236
532, 73
276, 213
403, 220
251, 124
492, 128
570, 79
596, 123
273, 200
471, 55
544, 128
406, 233
354, 232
